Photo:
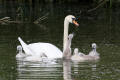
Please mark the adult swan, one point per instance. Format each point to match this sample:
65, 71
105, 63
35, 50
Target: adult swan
51, 51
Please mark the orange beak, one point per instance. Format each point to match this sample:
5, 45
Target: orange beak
75, 22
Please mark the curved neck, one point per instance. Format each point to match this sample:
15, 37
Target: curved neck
20, 51
94, 49
65, 38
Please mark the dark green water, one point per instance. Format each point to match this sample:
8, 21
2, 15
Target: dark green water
101, 27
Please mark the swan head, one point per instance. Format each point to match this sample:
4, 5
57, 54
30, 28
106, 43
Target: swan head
94, 46
71, 19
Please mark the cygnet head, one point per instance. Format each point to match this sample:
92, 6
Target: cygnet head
19, 48
70, 36
76, 51
71, 19
94, 46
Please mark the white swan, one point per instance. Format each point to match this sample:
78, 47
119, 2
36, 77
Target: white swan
48, 49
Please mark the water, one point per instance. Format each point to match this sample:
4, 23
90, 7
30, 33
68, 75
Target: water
101, 26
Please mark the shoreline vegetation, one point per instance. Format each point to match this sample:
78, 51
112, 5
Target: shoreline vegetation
20, 10
32, 2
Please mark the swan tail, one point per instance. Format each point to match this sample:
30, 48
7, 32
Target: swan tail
25, 47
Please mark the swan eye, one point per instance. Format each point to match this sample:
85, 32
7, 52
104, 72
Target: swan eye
73, 19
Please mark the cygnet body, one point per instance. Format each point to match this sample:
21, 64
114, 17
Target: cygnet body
93, 55
77, 55
94, 52
20, 53
67, 51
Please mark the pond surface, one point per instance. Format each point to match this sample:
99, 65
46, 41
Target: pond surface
101, 27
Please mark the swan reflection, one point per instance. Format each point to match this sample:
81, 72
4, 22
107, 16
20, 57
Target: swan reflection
38, 70
57, 69
67, 70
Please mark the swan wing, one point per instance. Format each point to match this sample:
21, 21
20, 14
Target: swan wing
50, 50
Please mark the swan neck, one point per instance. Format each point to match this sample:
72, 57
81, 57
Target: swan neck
94, 49
20, 51
65, 38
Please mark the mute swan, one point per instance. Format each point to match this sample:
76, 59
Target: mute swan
48, 49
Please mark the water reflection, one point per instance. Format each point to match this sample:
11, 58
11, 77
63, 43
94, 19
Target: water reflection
44, 71
101, 26
71, 71
106, 68
38, 70
57, 70
67, 70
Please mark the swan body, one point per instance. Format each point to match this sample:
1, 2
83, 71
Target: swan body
50, 50
32, 58
37, 49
